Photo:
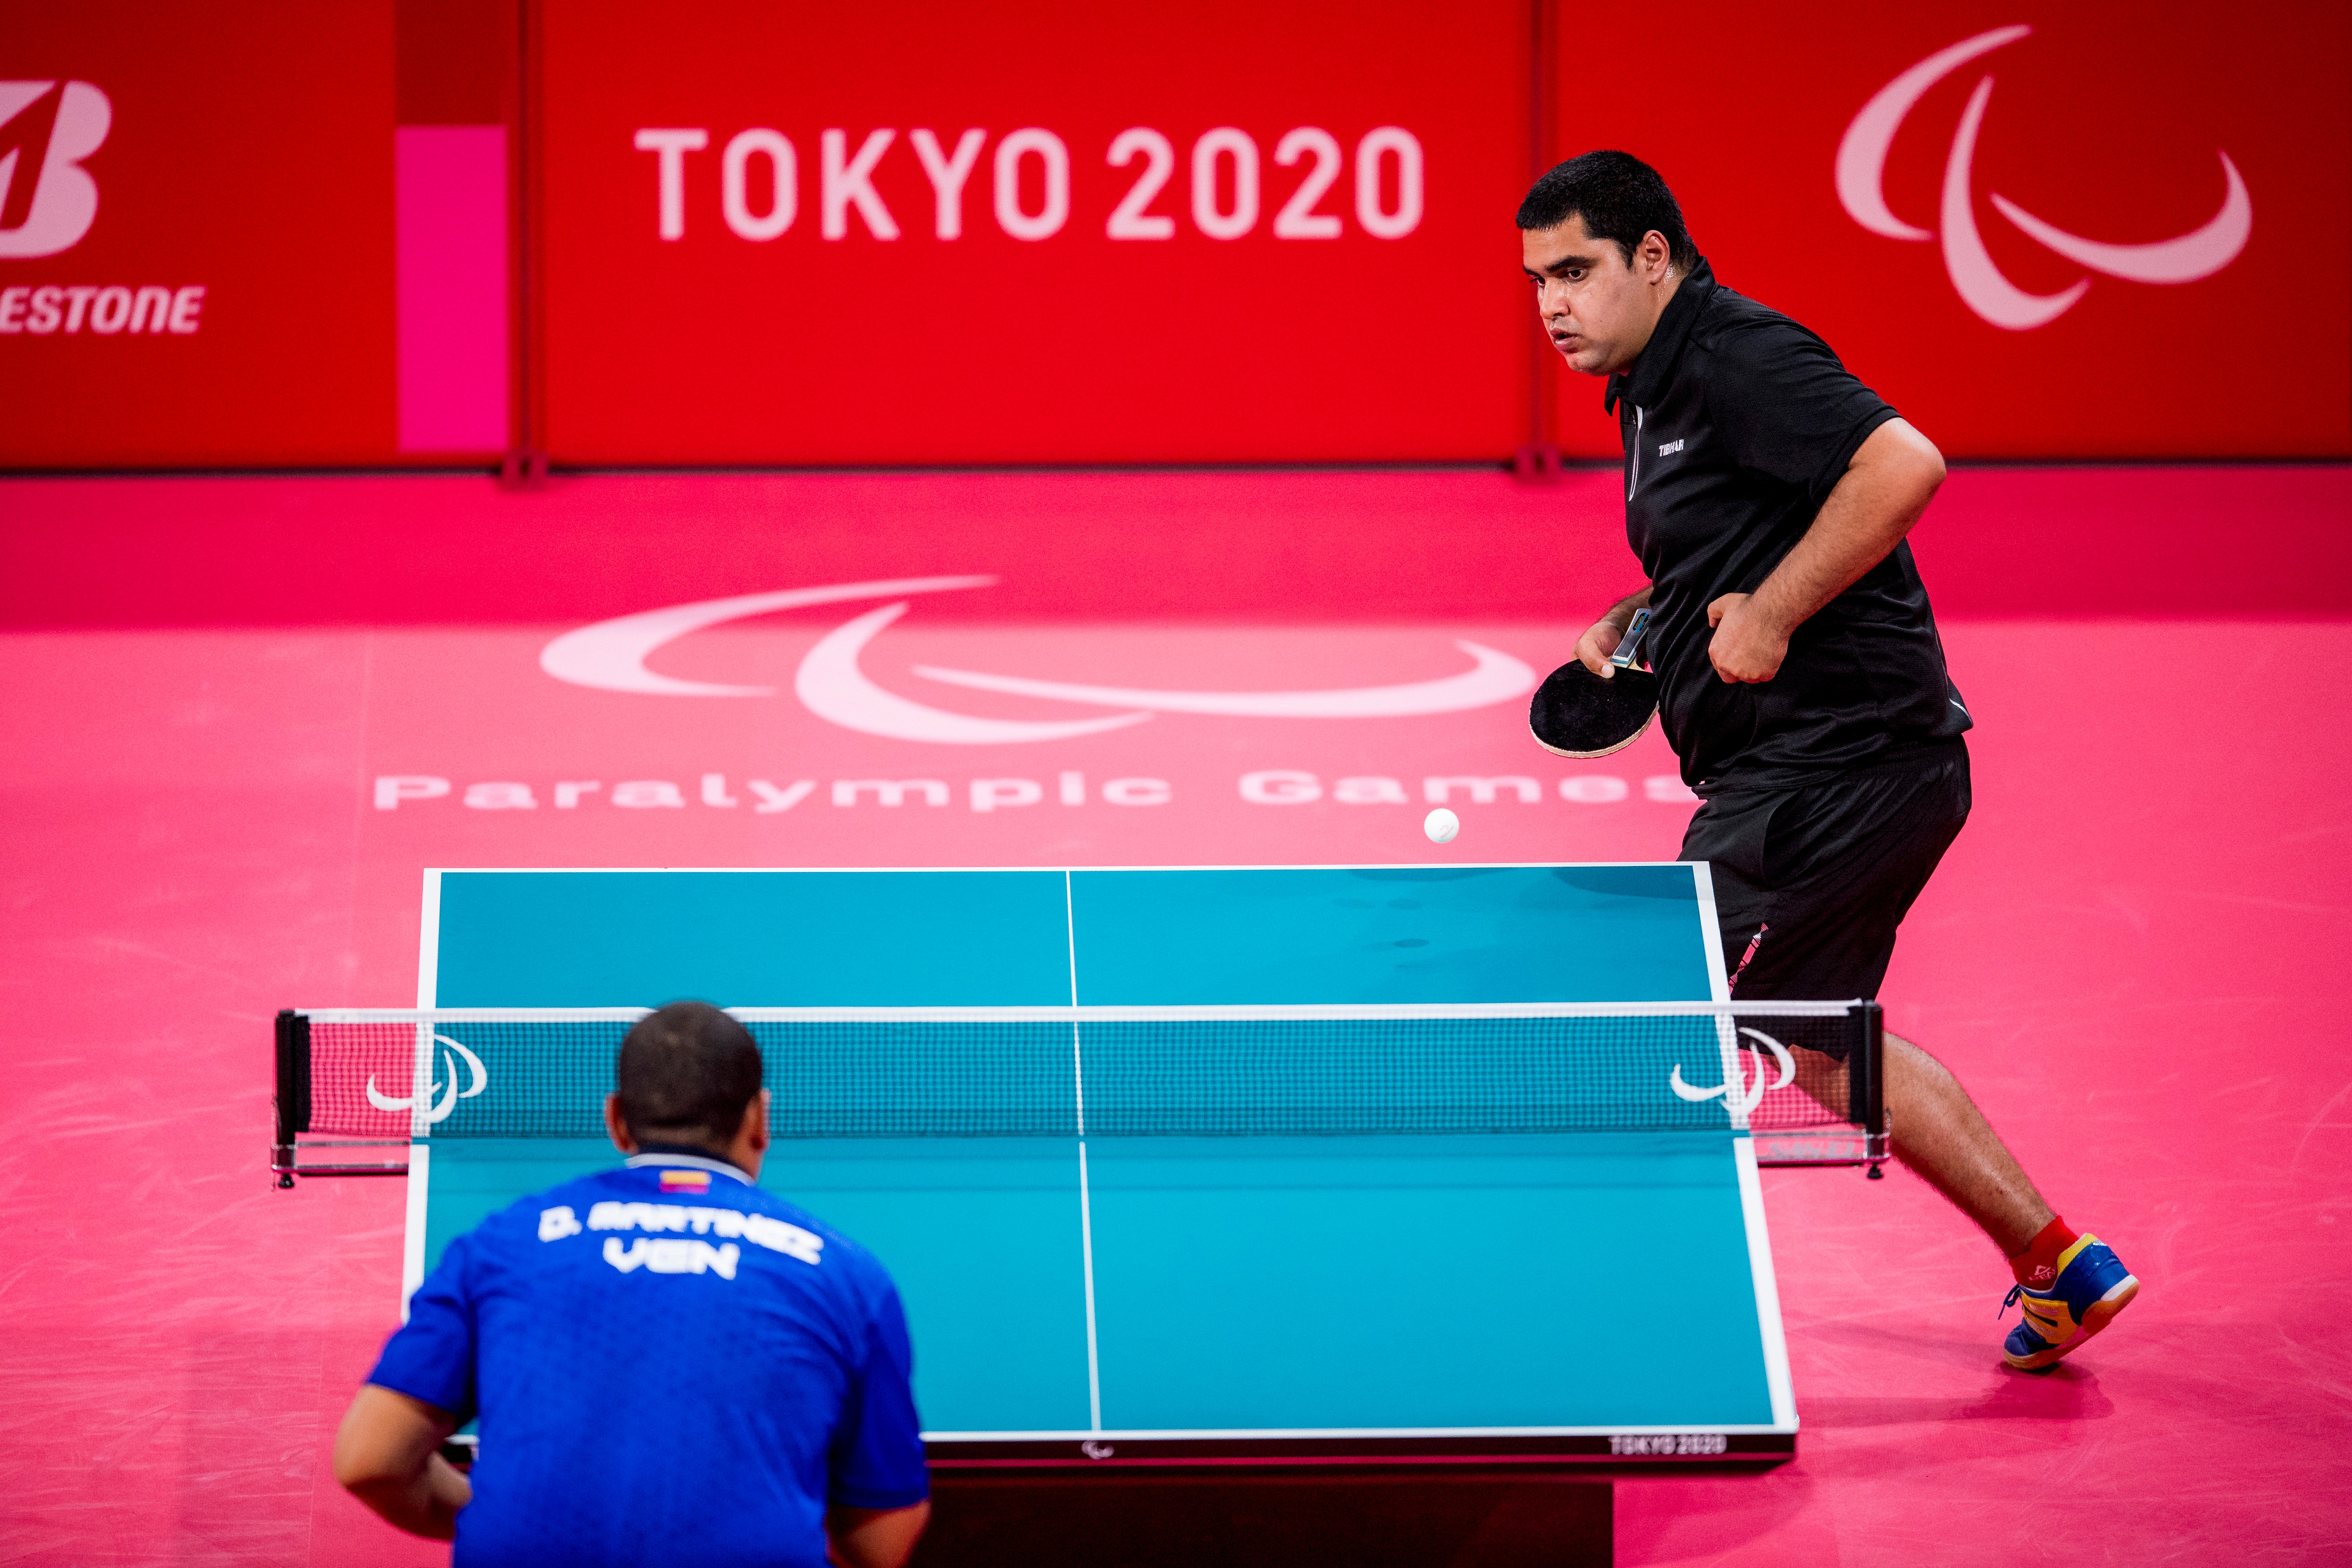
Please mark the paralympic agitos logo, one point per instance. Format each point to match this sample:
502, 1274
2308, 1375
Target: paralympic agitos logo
435, 1101
611, 656
1861, 166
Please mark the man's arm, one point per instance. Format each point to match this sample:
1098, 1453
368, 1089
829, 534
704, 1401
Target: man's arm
1601, 639
874, 1537
387, 1455
1889, 482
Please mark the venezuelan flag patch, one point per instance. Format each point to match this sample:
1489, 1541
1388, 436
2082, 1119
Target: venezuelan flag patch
677, 1181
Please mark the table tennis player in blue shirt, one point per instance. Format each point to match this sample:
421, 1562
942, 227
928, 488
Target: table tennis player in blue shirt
668, 1364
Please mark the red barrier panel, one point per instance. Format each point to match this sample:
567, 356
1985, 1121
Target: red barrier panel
195, 233
956, 234
1060, 233
2099, 230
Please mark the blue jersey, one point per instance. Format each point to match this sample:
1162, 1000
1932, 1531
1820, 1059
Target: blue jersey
667, 1364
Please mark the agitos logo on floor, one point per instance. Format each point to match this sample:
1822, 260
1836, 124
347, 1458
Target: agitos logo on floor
611, 656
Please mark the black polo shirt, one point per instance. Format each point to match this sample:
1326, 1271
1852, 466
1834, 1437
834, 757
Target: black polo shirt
1738, 423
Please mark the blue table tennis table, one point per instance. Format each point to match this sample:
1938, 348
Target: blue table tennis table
1103, 1299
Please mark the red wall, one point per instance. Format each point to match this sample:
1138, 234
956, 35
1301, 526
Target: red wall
249, 152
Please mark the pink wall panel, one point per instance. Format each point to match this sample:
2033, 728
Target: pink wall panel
450, 197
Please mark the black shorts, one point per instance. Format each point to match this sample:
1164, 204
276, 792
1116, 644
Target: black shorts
1810, 883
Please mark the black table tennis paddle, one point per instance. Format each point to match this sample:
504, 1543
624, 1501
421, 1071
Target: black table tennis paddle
1576, 713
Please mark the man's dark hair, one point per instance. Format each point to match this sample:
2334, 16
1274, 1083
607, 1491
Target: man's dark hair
687, 1073
1620, 198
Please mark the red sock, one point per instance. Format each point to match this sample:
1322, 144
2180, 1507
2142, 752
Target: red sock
2037, 1266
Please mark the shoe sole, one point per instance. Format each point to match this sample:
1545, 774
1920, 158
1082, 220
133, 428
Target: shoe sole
2102, 1312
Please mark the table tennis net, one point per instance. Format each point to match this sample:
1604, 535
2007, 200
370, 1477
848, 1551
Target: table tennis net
1777, 1067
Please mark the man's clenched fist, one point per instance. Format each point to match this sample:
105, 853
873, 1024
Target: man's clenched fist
1746, 647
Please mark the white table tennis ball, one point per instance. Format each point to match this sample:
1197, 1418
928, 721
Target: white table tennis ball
1441, 826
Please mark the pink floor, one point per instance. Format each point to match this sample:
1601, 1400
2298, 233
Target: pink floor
2130, 956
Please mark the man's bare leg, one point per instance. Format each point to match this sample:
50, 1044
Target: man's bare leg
1938, 1132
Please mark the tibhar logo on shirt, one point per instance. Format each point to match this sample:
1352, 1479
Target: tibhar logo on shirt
1669, 449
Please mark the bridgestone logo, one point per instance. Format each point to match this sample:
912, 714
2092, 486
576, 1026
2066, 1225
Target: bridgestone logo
103, 309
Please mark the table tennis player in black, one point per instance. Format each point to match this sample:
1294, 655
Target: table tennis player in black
1800, 676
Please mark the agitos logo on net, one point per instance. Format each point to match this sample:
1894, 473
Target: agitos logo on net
48, 203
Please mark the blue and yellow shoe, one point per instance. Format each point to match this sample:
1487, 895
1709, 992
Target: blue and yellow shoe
2092, 1287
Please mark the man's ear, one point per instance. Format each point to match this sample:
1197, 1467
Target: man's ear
616, 1126
750, 1141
